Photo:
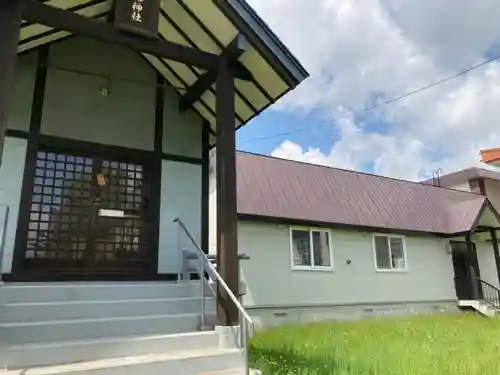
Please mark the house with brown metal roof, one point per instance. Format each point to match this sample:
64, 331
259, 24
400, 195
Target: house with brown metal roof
330, 243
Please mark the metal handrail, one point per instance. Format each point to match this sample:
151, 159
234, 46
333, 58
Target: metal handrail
205, 266
491, 294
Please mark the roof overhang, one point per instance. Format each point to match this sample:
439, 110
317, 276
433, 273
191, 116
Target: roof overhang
491, 156
487, 219
207, 26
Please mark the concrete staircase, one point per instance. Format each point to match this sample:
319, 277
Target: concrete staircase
147, 328
480, 306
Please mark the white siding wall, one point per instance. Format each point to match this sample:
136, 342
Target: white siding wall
74, 107
487, 263
486, 256
271, 282
493, 192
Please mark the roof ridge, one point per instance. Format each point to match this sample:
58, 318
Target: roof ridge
359, 172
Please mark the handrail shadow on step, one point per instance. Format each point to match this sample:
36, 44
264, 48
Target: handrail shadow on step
247, 326
491, 294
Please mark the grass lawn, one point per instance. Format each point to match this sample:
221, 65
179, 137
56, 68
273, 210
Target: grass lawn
422, 345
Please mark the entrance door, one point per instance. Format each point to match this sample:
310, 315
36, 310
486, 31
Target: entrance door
89, 215
466, 268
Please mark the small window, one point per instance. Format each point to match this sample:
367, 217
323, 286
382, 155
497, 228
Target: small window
389, 253
311, 248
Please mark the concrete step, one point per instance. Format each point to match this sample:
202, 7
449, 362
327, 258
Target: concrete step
178, 363
41, 311
83, 329
85, 291
50, 354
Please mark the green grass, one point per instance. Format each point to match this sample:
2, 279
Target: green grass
425, 345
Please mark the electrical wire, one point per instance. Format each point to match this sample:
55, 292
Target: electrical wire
389, 101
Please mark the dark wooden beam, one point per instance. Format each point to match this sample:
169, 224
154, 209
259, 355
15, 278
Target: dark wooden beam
156, 176
241, 72
10, 27
230, 56
57, 18
483, 228
227, 217
35, 127
205, 187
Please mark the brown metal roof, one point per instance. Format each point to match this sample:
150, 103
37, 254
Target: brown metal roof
278, 188
464, 175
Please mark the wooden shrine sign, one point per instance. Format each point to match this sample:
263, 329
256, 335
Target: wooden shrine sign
138, 16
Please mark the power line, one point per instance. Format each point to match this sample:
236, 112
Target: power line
389, 101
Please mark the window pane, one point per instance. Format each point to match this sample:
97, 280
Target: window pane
397, 253
301, 248
382, 253
321, 249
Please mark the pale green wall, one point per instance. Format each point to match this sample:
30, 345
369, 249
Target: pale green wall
271, 281
125, 117
21, 93
11, 178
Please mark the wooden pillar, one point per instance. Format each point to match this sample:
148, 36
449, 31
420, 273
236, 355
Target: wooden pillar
10, 26
153, 231
496, 251
205, 187
227, 236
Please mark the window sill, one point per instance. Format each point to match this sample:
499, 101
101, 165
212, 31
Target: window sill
313, 269
392, 271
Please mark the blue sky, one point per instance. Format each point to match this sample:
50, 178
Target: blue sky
274, 122
268, 131
359, 51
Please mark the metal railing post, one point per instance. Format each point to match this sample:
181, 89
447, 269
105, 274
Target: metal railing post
244, 335
202, 291
491, 294
180, 257
246, 324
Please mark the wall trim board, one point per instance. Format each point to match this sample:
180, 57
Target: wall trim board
361, 303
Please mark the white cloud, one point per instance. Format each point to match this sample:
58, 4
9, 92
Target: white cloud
356, 48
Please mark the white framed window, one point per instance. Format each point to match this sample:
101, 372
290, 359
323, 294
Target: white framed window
390, 254
311, 248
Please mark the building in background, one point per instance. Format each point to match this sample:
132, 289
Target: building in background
474, 180
491, 156
326, 243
